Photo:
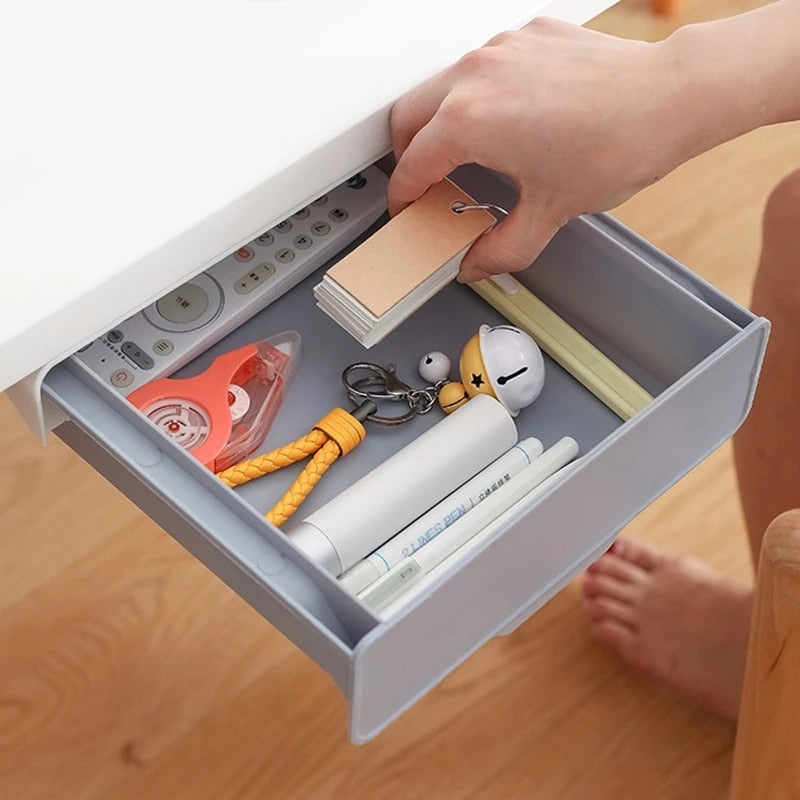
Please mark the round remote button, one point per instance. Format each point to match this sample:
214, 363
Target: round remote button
184, 304
265, 240
163, 347
302, 213
244, 254
187, 308
115, 336
320, 228
320, 201
337, 214
284, 255
283, 227
121, 378
302, 242
358, 181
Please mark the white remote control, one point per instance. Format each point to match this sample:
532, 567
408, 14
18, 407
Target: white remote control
182, 324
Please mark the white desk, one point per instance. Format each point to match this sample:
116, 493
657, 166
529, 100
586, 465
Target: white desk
143, 141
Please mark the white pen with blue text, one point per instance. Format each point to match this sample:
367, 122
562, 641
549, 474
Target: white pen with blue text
441, 516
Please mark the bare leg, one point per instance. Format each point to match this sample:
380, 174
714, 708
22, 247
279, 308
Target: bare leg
673, 618
767, 449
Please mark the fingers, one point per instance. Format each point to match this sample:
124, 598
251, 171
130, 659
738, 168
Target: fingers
513, 244
432, 153
410, 119
415, 110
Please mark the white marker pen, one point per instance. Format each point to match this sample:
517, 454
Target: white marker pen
441, 516
409, 571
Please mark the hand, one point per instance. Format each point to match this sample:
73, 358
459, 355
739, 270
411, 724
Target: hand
578, 119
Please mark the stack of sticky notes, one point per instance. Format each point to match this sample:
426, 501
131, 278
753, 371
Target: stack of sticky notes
388, 277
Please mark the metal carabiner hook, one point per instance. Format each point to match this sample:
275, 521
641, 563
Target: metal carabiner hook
381, 383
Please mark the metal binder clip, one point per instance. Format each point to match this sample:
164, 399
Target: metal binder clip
381, 383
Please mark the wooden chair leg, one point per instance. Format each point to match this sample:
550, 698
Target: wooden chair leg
766, 761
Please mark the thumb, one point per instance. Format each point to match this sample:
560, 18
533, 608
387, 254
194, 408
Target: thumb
511, 245
430, 156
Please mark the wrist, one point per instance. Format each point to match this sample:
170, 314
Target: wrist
734, 75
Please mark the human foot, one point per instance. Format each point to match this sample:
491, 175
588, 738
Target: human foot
673, 619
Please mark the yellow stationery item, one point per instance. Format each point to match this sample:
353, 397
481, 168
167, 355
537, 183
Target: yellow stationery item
564, 344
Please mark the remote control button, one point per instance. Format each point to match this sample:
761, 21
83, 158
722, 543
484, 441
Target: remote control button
265, 240
184, 304
338, 214
302, 213
358, 181
137, 355
115, 336
187, 308
320, 201
163, 347
244, 254
121, 378
283, 227
254, 278
303, 242
321, 228
265, 270
284, 255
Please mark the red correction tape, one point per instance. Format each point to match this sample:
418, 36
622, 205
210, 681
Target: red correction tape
223, 414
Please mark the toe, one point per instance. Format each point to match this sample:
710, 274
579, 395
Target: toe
618, 568
602, 584
608, 608
642, 555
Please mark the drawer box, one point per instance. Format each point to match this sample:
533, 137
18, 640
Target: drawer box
697, 352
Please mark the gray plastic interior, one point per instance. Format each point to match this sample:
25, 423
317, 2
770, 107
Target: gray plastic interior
645, 323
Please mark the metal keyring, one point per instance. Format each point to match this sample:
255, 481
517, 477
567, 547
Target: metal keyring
460, 208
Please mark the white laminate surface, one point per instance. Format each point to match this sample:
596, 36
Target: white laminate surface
142, 141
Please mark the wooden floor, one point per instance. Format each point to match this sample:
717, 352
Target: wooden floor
128, 671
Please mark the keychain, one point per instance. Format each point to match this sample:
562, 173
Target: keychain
335, 435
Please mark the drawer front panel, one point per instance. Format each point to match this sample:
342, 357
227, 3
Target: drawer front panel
537, 549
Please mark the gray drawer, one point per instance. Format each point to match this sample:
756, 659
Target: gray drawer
695, 350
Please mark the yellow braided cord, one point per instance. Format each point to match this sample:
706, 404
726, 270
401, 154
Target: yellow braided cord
337, 433
343, 428
274, 460
305, 482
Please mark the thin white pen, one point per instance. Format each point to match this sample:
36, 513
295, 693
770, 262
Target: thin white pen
490, 531
428, 526
409, 571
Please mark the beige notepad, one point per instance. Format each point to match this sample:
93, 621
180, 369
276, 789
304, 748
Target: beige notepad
376, 286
